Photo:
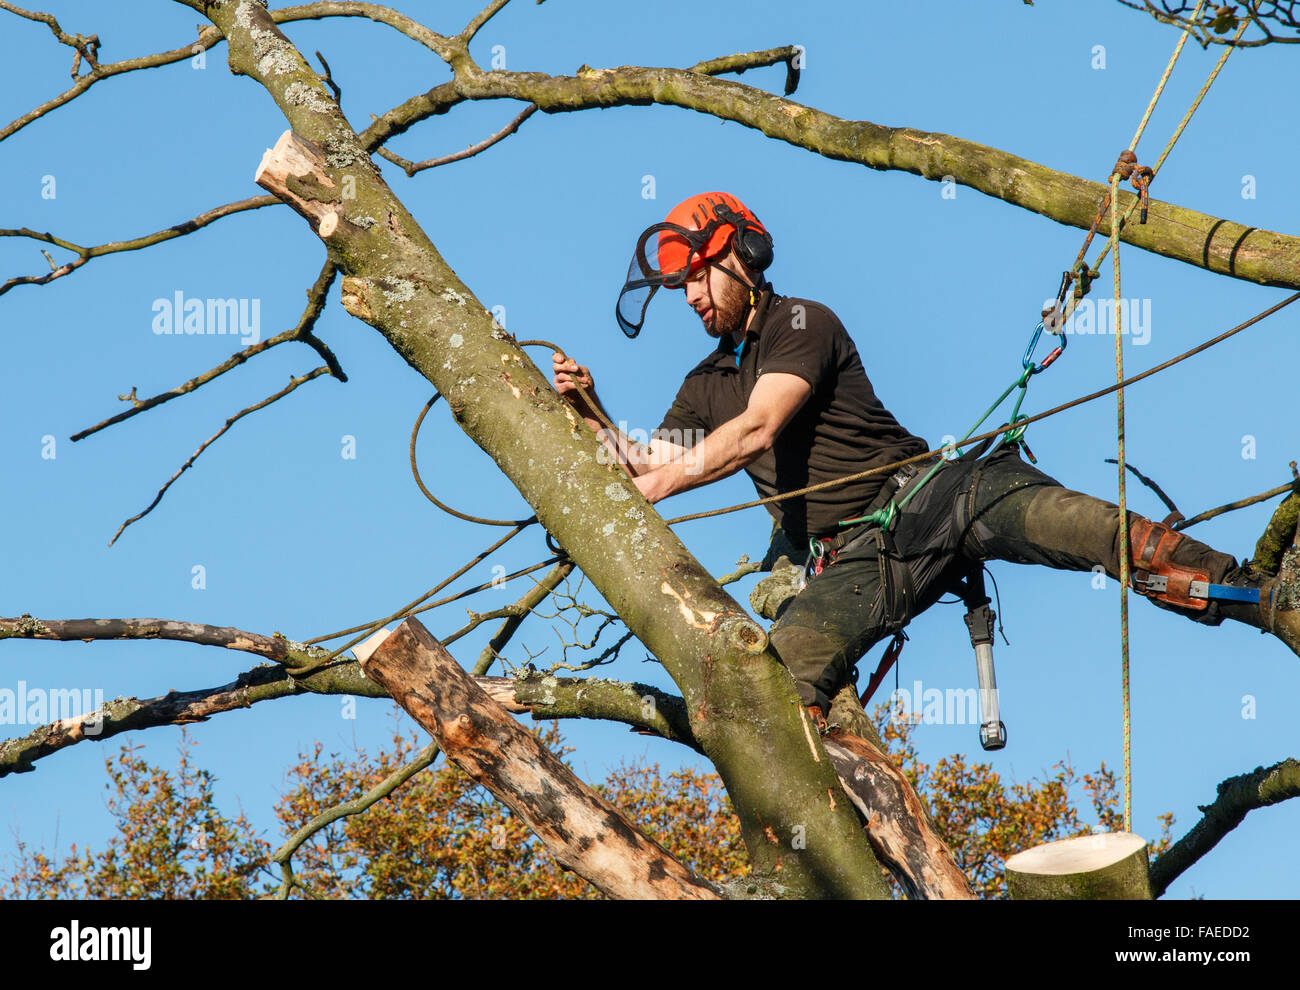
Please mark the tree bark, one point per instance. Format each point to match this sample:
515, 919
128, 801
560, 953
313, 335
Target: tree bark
741, 702
582, 830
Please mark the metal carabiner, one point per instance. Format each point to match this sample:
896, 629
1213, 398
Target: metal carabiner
1027, 362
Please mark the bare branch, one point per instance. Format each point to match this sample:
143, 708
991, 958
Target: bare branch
85, 254
481, 18
534, 597
293, 384
432, 40
356, 806
1216, 24
208, 37
412, 168
275, 647
1240, 504
1150, 483
85, 47
262, 683
1237, 796
316, 298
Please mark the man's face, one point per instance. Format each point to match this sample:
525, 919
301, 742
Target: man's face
719, 300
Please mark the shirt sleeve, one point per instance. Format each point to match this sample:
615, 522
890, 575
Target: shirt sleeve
800, 340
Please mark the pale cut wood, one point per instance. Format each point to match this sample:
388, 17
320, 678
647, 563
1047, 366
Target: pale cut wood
582, 830
897, 826
368, 645
1109, 866
293, 171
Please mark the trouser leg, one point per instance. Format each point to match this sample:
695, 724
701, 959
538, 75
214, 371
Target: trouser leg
1018, 513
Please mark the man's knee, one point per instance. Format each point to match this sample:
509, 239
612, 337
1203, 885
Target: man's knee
818, 662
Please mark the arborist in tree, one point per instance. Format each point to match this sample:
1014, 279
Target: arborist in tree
784, 396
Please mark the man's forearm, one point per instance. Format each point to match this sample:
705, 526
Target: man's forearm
734, 445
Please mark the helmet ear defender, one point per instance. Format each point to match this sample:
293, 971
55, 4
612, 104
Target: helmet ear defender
752, 245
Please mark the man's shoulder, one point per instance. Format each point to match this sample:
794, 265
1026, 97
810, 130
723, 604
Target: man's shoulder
799, 313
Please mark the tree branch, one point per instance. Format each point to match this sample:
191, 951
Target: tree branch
1217, 245
85, 254
293, 384
1237, 796
316, 299
581, 829
412, 168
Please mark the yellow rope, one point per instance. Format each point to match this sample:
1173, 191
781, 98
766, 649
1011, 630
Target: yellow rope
1123, 508
1112, 245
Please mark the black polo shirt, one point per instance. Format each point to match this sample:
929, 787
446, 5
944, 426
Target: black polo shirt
842, 429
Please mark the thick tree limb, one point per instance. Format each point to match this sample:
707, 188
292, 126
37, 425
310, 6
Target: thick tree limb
1237, 797
742, 703
897, 825
582, 830
1197, 239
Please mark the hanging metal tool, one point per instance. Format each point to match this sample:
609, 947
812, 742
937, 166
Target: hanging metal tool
979, 621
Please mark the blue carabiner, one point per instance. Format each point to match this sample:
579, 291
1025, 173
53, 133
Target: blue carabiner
1027, 362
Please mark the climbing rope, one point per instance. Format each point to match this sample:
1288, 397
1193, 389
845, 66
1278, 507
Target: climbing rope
1123, 508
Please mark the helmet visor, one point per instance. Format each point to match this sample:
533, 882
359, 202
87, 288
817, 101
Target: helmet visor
676, 253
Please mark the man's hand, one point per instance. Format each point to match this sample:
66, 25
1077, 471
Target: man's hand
654, 485
568, 375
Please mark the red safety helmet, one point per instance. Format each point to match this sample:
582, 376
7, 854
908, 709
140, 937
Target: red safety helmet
696, 232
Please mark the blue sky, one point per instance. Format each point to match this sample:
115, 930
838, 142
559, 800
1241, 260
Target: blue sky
939, 293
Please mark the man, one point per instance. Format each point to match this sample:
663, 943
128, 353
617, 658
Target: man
785, 397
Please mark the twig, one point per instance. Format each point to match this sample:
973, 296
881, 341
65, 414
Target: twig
1169, 503
85, 254
1240, 504
481, 18
293, 384
411, 168
356, 806
328, 79
316, 298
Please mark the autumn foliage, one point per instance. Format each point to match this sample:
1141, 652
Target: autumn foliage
441, 836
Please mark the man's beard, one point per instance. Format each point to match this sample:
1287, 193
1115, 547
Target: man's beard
731, 303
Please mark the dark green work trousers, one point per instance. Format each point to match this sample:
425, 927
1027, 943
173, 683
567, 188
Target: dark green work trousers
974, 509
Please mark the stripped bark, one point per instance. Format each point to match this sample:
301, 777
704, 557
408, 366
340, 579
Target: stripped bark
582, 830
897, 826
